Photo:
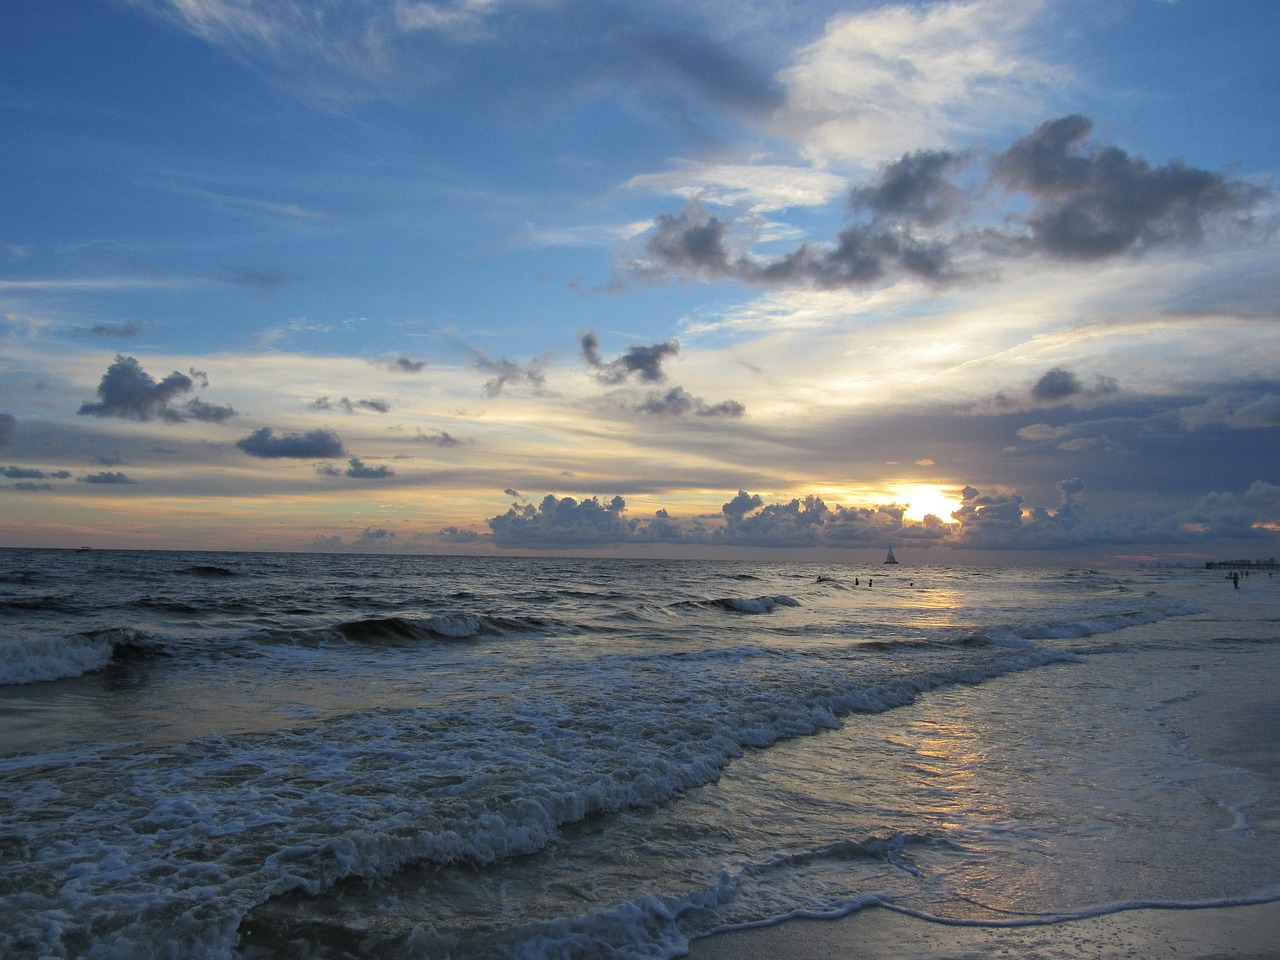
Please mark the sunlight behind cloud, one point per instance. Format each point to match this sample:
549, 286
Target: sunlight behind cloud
923, 499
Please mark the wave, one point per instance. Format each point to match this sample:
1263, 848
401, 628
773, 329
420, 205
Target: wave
394, 630
206, 570
45, 604
765, 604
40, 659
410, 631
225, 824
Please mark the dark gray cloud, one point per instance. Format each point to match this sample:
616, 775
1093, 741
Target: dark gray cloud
1251, 515
106, 477
441, 438
350, 406
915, 190
1237, 410
1095, 202
261, 282
8, 428
127, 330
1057, 384
507, 373
699, 244
460, 535
695, 242
197, 409
643, 361
742, 504
312, 445
1087, 203
356, 468
405, 365
562, 522
31, 473
679, 402
128, 391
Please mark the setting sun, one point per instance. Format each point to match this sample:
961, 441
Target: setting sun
922, 499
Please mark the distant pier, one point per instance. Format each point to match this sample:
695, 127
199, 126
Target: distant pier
1242, 565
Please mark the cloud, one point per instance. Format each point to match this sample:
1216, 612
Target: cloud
441, 438
350, 406
106, 477
356, 468
507, 373
1234, 411
197, 409
31, 473
1043, 431
405, 365
1086, 203
698, 244
1058, 384
914, 189
1054, 387
757, 187
1092, 203
1000, 519
8, 429
127, 391
742, 504
1252, 514
562, 522
127, 330
643, 361
261, 282
679, 402
313, 445
901, 76
459, 535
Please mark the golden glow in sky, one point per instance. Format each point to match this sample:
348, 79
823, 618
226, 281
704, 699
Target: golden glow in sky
922, 499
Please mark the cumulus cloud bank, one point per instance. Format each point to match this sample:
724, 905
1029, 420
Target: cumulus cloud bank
986, 520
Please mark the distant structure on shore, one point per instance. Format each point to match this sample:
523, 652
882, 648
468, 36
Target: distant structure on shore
1242, 565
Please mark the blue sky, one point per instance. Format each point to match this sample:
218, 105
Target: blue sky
985, 280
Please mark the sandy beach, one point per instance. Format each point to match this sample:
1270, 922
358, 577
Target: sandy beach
1230, 717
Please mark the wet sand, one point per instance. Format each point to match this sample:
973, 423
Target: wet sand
1233, 719
1216, 933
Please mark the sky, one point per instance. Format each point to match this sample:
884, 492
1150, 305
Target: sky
983, 281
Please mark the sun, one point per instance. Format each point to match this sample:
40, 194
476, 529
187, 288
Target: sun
921, 499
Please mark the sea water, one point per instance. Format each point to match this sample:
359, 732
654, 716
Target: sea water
294, 756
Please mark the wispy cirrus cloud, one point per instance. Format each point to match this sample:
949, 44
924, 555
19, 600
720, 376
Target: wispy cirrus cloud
899, 78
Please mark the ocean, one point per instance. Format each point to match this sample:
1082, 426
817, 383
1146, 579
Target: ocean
247, 755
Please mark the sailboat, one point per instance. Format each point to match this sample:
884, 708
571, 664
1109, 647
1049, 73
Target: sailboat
891, 558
